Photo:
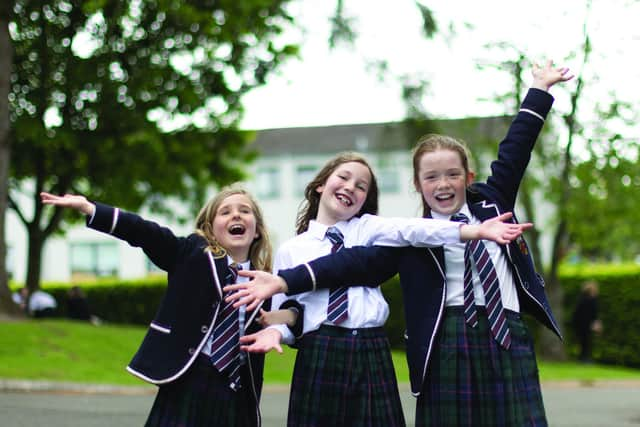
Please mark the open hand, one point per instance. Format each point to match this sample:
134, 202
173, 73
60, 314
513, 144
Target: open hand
262, 286
262, 341
79, 203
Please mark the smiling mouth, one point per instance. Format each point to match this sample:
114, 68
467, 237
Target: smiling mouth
236, 230
344, 199
444, 197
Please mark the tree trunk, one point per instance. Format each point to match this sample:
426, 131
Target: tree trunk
34, 259
7, 307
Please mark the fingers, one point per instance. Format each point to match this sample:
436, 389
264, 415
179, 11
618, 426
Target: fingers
247, 273
238, 287
505, 216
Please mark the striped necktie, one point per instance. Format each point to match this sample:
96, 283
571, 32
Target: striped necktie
225, 347
475, 251
338, 308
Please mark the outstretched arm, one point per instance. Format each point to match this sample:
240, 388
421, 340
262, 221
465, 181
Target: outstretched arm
356, 266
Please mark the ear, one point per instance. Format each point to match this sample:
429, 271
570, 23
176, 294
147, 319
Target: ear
471, 176
319, 189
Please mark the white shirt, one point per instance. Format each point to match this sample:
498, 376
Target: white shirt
454, 265
367, 307
41, 300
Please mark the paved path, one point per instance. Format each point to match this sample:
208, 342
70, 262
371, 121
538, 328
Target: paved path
42, 404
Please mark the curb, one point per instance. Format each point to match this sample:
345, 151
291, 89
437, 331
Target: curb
61, 387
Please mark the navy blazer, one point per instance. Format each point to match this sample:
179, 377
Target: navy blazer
422, 270
186, 316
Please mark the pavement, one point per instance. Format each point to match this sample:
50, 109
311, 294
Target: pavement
59, 404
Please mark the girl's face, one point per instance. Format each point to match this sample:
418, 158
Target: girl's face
235, 227
343, 193
443, 181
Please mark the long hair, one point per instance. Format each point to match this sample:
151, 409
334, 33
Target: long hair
260, 252
434, 142
311, 203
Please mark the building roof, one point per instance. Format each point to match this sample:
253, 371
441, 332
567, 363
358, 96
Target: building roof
373, 137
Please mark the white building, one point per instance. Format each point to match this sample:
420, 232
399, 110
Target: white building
289, 158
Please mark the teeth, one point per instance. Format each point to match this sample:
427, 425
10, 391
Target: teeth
343, 199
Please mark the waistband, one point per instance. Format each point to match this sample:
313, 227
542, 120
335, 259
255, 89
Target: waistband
337, 331
456, 310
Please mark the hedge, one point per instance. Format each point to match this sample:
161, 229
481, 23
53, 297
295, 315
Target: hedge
135, 302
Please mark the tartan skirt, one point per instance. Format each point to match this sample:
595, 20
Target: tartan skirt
344, 377
472, 381
202, 397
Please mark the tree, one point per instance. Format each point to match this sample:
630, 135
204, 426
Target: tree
6, 55
132, 101
568, 179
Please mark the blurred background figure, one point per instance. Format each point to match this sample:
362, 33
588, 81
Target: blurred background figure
21, 297
77, 304
42, 304
585, 319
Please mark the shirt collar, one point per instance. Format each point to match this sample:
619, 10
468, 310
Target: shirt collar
244, 265
464, 209
318, 231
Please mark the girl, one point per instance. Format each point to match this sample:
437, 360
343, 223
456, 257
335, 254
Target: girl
343, 373
197, 386
462, 371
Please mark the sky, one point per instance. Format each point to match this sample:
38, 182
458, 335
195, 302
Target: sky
334, 87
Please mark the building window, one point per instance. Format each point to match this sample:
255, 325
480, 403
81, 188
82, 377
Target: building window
94, 258
268, 183
387, 178
304, 175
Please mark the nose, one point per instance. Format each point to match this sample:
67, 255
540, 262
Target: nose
349, 185
442, 181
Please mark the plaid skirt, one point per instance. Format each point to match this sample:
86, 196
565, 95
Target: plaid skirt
344, 377
472, 381
202, 397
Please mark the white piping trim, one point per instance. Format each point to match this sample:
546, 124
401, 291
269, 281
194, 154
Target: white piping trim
533, 113
114, 222
253, 315
214, 272
159, 328
312, 274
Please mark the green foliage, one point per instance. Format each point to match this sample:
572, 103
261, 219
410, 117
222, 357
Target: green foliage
131, 102
609, 185
618, 301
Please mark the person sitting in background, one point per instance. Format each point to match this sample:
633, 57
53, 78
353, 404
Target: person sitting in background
77, 304
42, 304
20, 297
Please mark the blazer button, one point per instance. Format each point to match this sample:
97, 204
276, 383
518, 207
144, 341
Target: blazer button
192, 350
526, 285
204, 329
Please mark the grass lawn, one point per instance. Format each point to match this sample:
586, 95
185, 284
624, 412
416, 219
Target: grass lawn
60, 350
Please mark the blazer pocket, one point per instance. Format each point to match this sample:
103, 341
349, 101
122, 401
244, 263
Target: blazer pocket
160, 328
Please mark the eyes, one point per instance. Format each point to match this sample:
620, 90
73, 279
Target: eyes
229, 211
359, 184
452, 175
